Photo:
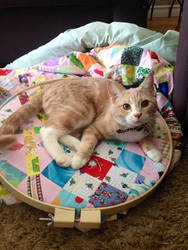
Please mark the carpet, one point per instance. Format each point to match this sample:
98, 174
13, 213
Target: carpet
160, 222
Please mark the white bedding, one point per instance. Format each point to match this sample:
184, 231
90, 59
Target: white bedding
102, 34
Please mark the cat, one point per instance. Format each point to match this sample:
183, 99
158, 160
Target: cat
101, 108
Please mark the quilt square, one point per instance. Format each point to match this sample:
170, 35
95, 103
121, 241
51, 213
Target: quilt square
12, 174
67, 199
7, 154
106, 195
97, 167
132, 55
13, 105
17, 158
141, 185
120, 178
46, 186
131, 183
110, 149
131, 161
4, 114
82, 184
135, 148
57, 174
44, 158
152, 170
146, 61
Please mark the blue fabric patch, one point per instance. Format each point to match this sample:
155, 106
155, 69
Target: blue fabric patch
139, 179
12, 174
57, 174
131, 86
163, 87
117, 49
4, 98
68, 199
131, 161
107, 195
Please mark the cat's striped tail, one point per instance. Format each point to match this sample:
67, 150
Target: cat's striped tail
15, 120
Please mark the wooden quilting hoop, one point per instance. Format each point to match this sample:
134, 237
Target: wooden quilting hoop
90, 217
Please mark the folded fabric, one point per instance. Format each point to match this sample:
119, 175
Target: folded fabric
128, 65
100, 34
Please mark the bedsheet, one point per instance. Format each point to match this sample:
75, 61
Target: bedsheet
128, 65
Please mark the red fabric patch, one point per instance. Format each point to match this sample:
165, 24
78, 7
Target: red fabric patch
154, 55
16, 146
99, 72
78, 199
23, 98
4, 72
97, 167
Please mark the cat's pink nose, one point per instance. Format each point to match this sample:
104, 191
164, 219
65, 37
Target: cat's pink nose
138, 115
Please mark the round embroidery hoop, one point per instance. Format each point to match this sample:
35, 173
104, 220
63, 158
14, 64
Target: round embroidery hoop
119, 175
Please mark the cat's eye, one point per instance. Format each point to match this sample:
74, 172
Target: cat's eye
126, 106
145, 103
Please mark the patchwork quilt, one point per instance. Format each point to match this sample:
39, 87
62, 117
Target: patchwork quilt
117, 171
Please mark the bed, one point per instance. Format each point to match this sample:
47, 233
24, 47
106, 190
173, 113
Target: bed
80, 50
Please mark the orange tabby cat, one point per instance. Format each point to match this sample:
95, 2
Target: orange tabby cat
103, 108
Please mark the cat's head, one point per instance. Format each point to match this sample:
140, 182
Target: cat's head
133, 107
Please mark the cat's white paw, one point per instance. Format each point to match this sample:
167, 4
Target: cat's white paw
154, 154
78, 162
63, 160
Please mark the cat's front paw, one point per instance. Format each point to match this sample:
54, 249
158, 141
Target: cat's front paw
78, 162
154, 155
63, 160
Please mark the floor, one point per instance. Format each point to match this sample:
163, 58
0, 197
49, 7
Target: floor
162, 24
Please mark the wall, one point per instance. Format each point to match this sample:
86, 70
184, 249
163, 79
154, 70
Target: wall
161, 8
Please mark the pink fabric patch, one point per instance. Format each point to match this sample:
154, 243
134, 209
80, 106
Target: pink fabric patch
44, 157
23, 186
47, 187
135, 148
13, 105
146, 61
149, 172
17, 159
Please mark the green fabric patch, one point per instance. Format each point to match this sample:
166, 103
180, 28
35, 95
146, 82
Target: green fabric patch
131, 56
129, 74
35, 165
77, 62
36, 130
141, 74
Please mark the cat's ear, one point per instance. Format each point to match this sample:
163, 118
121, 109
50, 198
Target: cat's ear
113, 91
148, 83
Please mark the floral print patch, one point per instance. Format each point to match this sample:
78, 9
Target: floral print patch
107, 195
